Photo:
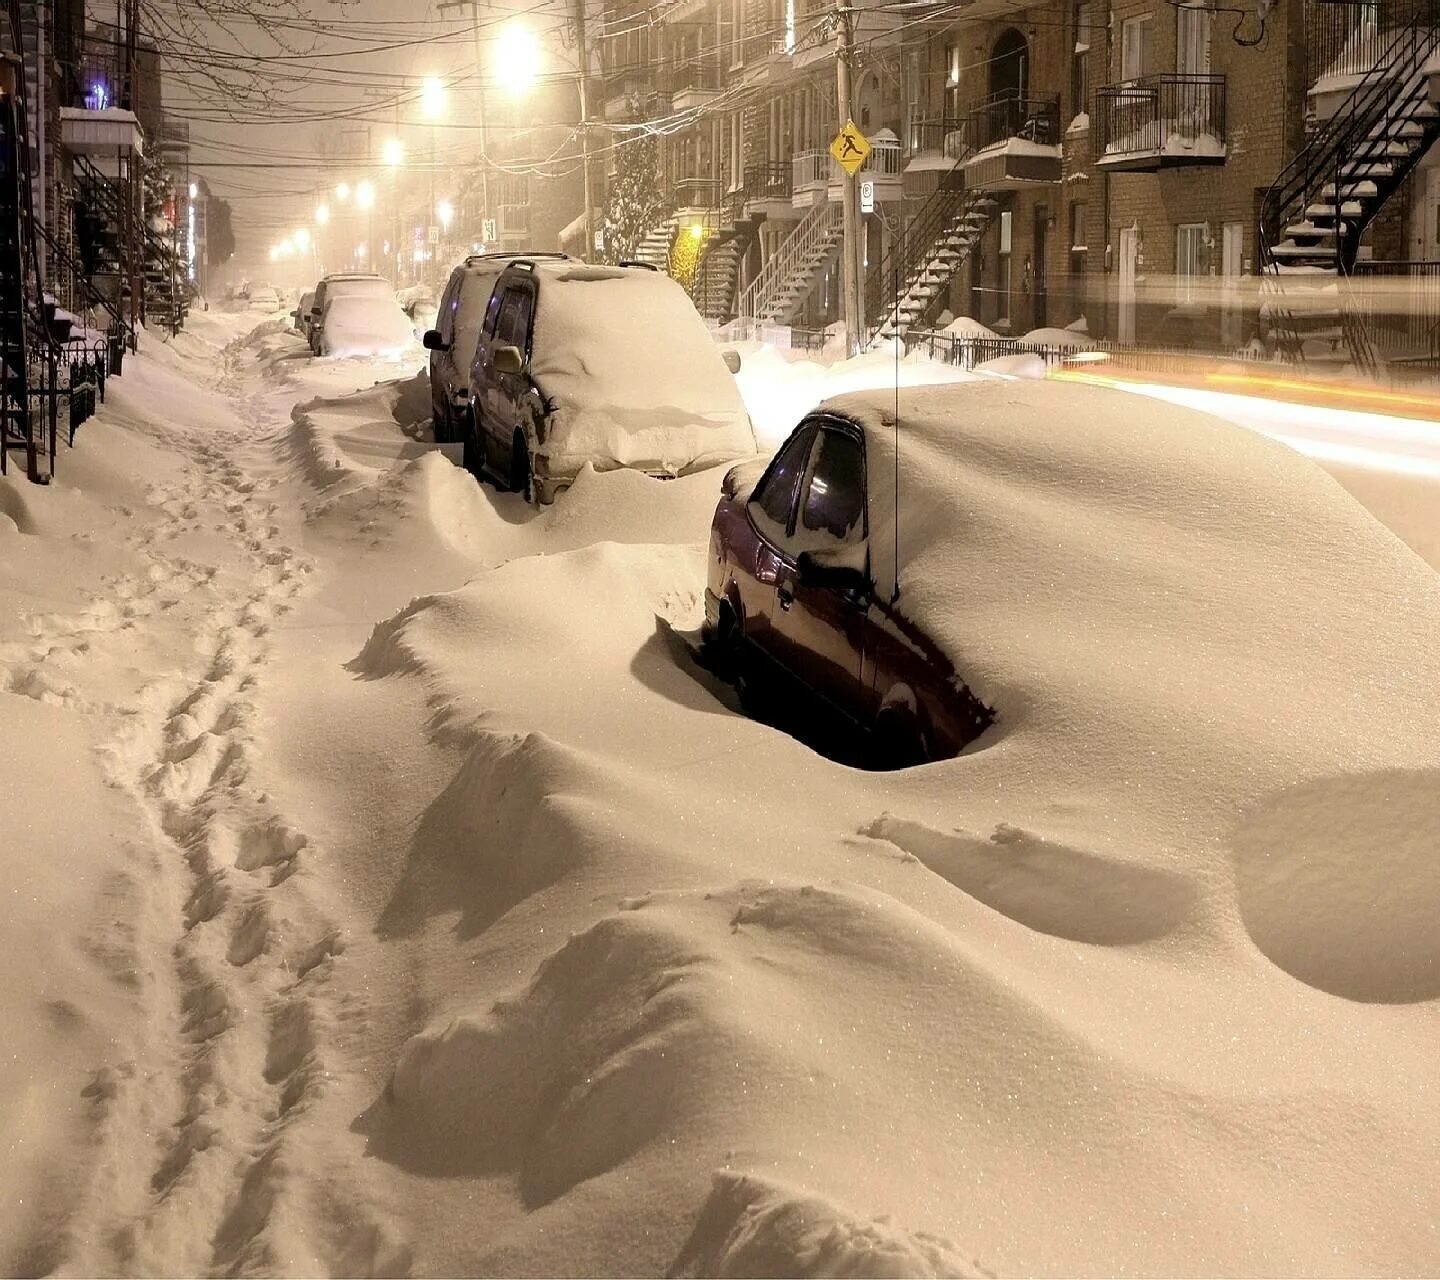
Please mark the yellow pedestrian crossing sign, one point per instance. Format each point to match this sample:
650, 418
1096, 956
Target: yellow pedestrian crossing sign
850, 147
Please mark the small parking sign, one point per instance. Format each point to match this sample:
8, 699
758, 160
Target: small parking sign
867, 197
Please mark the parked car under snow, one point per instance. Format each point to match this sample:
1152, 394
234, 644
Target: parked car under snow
1082, 561
610, 367
355, 325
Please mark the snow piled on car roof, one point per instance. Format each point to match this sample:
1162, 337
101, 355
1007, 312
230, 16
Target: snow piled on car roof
635, 377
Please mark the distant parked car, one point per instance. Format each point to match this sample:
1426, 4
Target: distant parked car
360, 284
264, 298
301, 314
452, 342
356, 325
607, 366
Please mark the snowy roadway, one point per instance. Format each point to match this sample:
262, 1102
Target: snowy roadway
385, 894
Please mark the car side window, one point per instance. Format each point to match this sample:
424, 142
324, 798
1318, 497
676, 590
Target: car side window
775, 495
448, 303
492, 311
834, 503
513, 325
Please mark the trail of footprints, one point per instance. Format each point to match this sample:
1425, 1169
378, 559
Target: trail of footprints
231, 953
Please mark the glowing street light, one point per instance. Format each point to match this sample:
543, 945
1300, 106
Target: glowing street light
322, 214
393, 152
432, 98
274, 252
445, 212
342, 192
194, 190
360, 252
517, 58
365, 195
302, 239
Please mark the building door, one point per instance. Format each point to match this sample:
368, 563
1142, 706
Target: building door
1042, 219
1129, 257
1232, 313
1430, 250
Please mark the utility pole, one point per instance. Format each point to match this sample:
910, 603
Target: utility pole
851, 279
583, 51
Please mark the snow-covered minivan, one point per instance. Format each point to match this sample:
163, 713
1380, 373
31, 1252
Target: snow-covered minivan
610, 367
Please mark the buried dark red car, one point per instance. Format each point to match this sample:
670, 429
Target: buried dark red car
794, 612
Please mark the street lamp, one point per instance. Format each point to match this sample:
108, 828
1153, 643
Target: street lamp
445, 212
342, 192
517, 58
364, 195
322, 214
393, 152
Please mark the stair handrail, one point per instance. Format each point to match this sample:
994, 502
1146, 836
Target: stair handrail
93, 296
1318, 161
907, 250
760, 294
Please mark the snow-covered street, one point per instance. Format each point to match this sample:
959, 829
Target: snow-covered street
388, 891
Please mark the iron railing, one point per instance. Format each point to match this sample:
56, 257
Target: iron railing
1167, 115
1342, 38
946, 137
1401, 301
909, 251
1009, 114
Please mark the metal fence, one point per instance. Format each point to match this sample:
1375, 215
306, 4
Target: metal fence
1182, 115
1401, 303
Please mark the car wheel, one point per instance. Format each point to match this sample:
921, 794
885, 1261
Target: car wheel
440, 426
522, 477
472, 456
722, 644
898, 740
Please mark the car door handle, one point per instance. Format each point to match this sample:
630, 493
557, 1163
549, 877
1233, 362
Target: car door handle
785, 593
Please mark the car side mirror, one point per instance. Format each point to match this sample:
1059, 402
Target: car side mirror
507, 359
831, 577
732, 360
432, 341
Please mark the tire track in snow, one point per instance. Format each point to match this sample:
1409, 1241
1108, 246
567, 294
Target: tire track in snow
230, 952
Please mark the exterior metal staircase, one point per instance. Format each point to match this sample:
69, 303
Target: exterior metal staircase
718, 275
778, 292
904, 291
1315, 213
160, 270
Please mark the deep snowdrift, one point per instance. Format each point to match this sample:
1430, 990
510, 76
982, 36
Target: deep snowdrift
464, 928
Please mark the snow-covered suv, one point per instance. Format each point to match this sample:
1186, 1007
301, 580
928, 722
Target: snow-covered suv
452, 342
610, 366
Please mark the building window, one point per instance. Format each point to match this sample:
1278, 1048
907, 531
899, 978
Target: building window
1080, 60
1135, 46
952, 81
1189, 258
1078, 246
1193, 22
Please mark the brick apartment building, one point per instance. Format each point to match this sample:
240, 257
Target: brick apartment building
1140, 163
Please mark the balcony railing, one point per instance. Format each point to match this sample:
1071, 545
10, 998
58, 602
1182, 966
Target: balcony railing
1401, 301
514, 219
694, 77
810, 170
1342, 38
760, 182
698, 193
943, 137
1010, 115
1161, 120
